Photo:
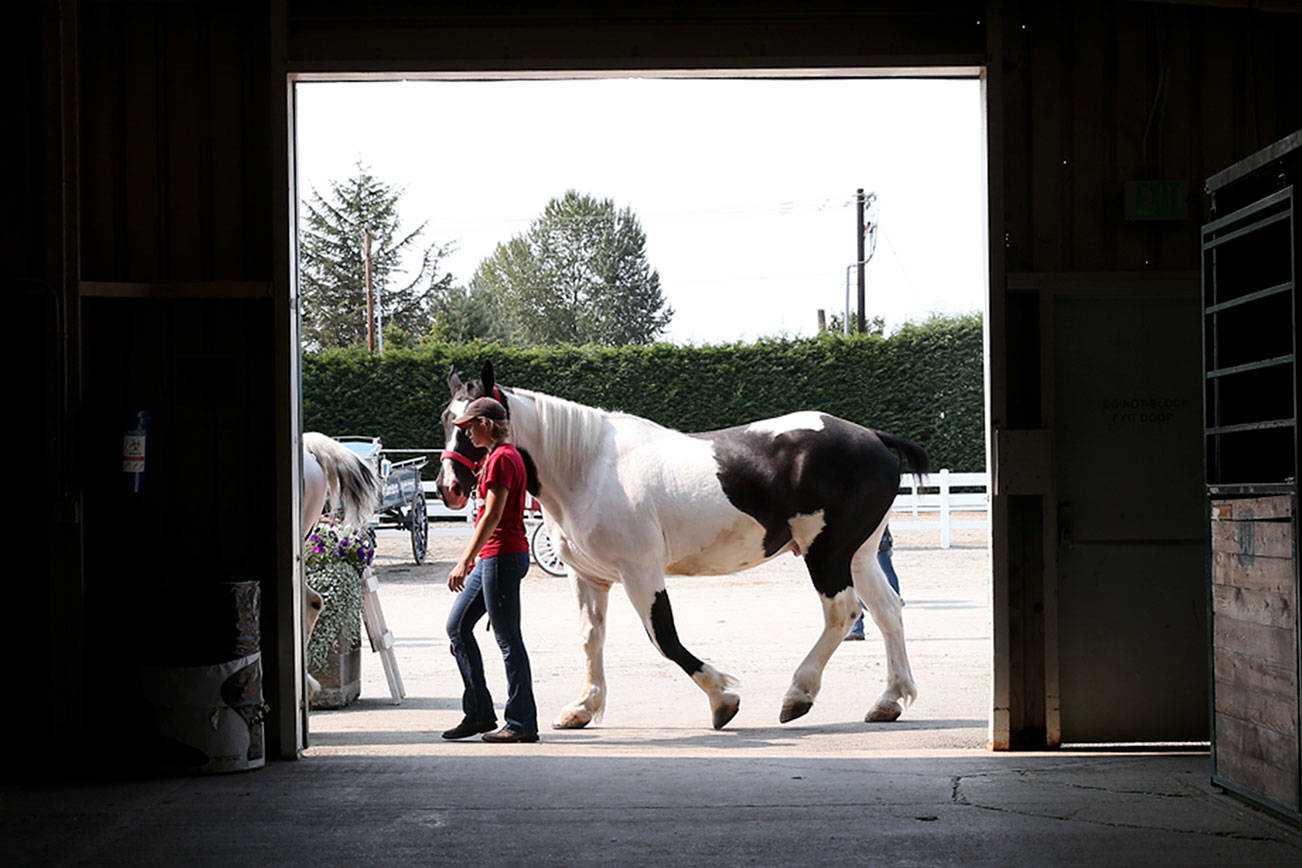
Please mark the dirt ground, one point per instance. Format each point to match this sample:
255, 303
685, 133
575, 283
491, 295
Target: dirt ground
756, 626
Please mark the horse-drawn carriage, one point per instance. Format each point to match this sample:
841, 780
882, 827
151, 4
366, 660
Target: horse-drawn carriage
540, 544
402, 498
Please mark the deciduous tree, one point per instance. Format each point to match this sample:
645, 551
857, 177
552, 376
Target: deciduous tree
578, 275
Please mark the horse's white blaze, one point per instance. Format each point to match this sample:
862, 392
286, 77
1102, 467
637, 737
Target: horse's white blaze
806, 420
805, 529
447, 473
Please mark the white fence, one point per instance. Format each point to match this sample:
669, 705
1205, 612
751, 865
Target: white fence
936, 495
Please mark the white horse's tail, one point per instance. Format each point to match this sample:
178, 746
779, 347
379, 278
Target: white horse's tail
350, 481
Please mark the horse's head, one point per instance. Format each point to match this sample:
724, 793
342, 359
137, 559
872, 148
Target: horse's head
456, 477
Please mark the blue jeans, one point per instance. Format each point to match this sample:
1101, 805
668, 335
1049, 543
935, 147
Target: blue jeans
493, 587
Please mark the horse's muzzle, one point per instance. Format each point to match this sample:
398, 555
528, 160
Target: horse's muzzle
453, 497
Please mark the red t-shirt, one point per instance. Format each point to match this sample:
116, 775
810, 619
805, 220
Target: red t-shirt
505, 467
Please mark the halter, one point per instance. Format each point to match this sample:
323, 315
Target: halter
461, 459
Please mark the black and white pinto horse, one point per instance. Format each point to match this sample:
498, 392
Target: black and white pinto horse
626, 500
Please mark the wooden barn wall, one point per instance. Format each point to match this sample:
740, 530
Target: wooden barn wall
1082, 98
174, 130
40, 387
158, 179
173, 159
1099, 94
331, 35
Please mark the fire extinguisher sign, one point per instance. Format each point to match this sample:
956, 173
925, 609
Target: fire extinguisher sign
134, 439
133, 452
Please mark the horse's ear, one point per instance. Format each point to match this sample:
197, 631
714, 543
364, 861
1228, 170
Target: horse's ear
486, 378
454, 382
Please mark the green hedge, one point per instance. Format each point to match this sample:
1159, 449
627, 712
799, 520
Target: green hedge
924, 383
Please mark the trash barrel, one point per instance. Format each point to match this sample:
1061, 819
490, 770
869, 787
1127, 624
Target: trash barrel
207, 701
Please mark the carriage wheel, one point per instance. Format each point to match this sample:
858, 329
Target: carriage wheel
540, 546
418, 521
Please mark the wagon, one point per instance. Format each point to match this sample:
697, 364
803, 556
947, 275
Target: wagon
540, 544
402, 498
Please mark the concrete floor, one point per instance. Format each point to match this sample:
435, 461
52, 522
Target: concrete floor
653, 783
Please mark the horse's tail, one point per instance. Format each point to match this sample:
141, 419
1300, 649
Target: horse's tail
350, 481
914, 454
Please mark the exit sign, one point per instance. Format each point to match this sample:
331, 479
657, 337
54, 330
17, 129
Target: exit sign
1157, 200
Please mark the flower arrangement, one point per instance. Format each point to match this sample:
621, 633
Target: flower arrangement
332, 561
328, 545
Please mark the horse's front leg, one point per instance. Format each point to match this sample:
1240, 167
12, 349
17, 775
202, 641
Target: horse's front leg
649, 597
592, 595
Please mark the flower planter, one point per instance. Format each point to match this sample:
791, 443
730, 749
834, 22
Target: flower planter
341, 677
334, 561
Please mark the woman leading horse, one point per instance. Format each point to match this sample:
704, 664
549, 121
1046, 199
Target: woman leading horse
628, 501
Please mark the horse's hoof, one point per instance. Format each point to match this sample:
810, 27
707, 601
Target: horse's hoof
792, 710
883, 712
572, 720
726, 712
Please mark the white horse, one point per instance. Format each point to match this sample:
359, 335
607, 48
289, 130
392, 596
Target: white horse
626, 500
334, 474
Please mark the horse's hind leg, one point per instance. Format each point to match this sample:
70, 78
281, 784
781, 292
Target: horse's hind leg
651, 601
592, 596
831, 576
885, 607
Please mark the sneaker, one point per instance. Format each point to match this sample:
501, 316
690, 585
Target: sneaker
508, 735
853, 636
467, 728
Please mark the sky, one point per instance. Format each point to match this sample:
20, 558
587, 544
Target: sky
745, 188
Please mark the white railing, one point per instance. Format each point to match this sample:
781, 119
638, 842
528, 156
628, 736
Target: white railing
434, 507
936, 495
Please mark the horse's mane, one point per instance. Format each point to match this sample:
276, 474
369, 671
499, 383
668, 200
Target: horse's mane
570, 433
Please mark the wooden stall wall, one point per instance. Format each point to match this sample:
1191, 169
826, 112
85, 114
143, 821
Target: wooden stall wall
1083, 98
45, 545
1255, 637
174, 285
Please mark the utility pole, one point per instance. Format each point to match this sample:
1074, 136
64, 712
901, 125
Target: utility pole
859, 260
370, 302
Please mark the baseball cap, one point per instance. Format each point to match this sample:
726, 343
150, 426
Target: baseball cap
486, 407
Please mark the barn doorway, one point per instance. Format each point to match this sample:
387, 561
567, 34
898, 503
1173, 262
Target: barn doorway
751, 226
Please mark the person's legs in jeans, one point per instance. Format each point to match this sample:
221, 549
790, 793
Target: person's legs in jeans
466, 611
502, 577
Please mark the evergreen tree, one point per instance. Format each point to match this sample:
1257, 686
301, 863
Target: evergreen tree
579, 275
332, 269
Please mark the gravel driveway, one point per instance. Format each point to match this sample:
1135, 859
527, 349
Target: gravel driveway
756, 626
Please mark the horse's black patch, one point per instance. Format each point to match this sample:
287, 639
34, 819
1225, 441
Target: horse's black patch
531, 483
842, 470
665, 635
